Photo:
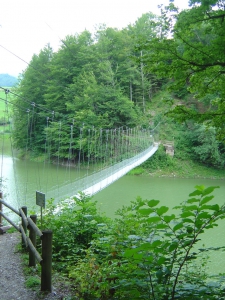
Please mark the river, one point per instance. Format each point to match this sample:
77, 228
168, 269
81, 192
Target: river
22, 178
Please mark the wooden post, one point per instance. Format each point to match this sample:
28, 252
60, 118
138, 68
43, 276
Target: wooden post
32, 236
24, 209
1, 209
46, 264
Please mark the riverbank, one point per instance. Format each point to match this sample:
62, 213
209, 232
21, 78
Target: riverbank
187, 169
163, 165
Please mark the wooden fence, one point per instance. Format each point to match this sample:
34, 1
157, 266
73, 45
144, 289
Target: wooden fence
29, 242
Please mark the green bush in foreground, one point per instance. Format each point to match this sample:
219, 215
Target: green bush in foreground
73, 226
145, 253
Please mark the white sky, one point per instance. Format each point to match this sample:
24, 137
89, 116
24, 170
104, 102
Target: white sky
24, 30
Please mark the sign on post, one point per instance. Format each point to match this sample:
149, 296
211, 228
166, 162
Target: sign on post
40, 199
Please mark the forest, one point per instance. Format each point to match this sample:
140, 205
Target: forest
109, 79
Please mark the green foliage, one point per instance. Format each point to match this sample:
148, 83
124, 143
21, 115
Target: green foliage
159, 160
74, 223
137, 171
191, 57
91, 80
147, 252
33, 282
199, 143
28, 117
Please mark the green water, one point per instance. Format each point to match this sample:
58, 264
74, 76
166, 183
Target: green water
170, 192
23, 178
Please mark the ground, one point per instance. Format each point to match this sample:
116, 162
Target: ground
12, 278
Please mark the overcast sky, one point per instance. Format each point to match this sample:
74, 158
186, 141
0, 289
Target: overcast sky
26, 26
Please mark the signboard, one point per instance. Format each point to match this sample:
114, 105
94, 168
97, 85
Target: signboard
40, 199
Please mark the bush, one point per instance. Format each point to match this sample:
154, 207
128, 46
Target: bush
74, 224
159, 160
150, 254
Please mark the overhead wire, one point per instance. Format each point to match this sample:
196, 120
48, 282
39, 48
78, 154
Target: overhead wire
14, 54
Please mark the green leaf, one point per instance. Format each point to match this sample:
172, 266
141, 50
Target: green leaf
209, 190
190, 229
161, 260
153, 219
192, 200
203, 215
168, 219
145, 247
187, 214
149, 258
210, 207
138, 256
200, 187
195, 193
145, 211
161, 226
181, 236
162, 210
156, 243
206, 199
215, 207
130, 252
177, 226
191, 207
153, 203
173, 246
187, 220
159, 274
187, 243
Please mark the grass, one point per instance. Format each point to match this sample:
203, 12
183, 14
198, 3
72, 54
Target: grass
188, 169
33, 282
137, 171
33, 279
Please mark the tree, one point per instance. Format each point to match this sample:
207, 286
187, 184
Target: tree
74, 55
29, 113
192, 56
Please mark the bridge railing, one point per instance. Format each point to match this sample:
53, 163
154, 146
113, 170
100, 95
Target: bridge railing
29, 242
86, 182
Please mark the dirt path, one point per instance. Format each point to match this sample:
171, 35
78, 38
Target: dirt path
12, 280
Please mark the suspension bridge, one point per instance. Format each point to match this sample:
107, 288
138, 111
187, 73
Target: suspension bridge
92, 158
92, 184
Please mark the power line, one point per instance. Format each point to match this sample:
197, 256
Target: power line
14, 54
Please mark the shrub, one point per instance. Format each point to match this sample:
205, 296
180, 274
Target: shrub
150, 254
73, 224
159, 160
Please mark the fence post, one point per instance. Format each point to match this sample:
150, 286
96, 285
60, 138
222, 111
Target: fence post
24, 209
32, 236
46, 264
1, 209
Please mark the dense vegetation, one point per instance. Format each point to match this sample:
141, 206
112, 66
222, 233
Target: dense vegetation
144, 253
147, 73
192, 57
90, 81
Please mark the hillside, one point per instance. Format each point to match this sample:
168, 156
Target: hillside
7, 80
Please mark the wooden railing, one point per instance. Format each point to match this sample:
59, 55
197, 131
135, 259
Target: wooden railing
29, 242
